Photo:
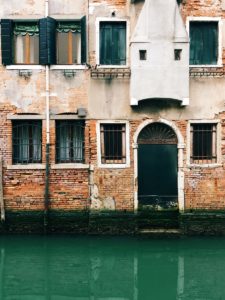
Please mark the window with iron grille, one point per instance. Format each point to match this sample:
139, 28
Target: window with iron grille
203, 143
113, 143
69, 142
27, 142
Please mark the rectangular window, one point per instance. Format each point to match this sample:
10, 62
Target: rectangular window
204, 42
69, 142
26, 43
68, 43
113, 143
27, 142
203, 143
112, 43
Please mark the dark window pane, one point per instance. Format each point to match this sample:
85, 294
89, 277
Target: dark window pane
27, 142
113, 43
203, 43
69, 141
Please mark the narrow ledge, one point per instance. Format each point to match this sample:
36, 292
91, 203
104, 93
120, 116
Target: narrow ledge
68, 67
25, 67
202, 166
27, 167
69, 166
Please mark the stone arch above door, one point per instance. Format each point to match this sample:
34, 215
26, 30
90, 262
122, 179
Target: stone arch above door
170, 124
157, 133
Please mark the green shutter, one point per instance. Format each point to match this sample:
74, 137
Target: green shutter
7, 41
105, 44
83, 41
112, 43
47, 41
203, 43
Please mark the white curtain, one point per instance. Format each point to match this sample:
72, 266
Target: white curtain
20, 49
76, 48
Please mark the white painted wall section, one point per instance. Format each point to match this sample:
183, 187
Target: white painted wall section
160, 30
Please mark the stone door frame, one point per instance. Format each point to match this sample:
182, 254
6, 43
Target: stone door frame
180, 147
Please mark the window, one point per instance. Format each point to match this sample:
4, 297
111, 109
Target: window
177, 54
69, 142
27, 142
113, 143
203, 143
204, 42
45, 42
143, 54
112, 43
26, 43
68, 43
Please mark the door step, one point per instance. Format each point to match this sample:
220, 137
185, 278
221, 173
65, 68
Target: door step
161, 232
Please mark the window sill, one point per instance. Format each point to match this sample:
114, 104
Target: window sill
112, 67
68, 67
27, 167
206, 66
70, 166
213, 165
25, 67
114, 166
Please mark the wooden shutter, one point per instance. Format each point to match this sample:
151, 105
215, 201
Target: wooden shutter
7, 41
83, 41
112, 43
204, 43
105, 43
119, 43
47, 41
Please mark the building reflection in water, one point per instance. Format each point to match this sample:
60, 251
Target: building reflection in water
59, 268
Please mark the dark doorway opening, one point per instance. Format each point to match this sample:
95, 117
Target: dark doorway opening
157, 167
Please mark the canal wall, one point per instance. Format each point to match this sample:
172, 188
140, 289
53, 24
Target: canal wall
146, 223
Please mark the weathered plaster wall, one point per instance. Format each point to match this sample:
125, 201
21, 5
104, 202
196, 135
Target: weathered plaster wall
104, 99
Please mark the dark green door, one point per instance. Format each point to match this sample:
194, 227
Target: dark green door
157, 175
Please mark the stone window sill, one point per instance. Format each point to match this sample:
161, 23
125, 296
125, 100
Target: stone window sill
25, 67
215, 165
68, 67
70, 166
27, 167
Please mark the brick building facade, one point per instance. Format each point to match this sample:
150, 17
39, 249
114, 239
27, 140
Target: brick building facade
132, 113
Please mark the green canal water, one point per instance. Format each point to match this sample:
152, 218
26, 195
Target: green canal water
58, 267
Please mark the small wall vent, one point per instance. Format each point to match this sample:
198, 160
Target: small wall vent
81, 112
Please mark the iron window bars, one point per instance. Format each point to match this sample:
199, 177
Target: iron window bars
27, 142
203, 143
69, 142
113, 143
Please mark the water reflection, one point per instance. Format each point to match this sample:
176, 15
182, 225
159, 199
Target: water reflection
57, 268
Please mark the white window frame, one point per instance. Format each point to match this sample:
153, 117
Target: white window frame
97, 38
99, 154
218, 144
220, 28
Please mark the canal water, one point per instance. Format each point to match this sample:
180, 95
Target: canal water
81, 268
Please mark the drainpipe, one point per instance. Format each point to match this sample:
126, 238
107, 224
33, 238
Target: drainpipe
1, 192
47, 88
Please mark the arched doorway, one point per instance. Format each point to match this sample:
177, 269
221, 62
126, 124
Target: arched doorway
157, 167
